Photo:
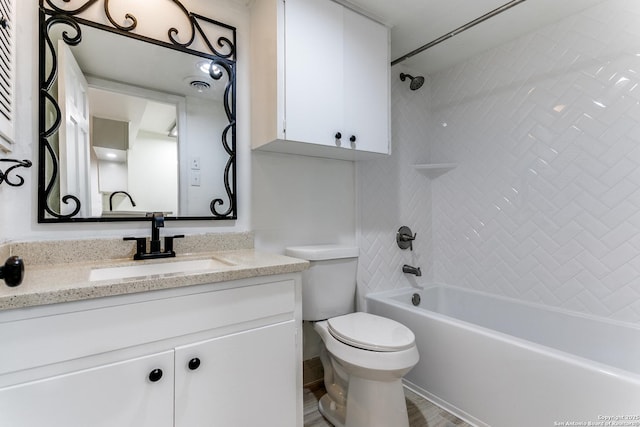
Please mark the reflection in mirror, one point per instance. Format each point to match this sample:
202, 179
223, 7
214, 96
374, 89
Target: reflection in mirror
130, 125
135, 145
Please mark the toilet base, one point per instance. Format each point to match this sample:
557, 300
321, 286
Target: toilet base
369, 404
332, 412
376, 404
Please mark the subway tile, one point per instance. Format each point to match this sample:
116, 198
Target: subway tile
555, 115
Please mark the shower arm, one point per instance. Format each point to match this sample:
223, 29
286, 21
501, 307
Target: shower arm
458, 30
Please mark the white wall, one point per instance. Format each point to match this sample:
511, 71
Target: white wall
300, 200
545, 203
113, 176
205, 122
153, 158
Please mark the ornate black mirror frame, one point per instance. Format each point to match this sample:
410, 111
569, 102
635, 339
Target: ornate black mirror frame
52, 15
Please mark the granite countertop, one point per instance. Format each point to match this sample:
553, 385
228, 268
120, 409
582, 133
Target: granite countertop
49, 283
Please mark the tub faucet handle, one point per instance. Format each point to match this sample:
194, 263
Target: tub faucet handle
405, 238
408, 237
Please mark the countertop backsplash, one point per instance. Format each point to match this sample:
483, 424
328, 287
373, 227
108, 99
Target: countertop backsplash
86, 250
5, 252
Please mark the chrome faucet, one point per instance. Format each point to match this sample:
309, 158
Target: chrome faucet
120, 192
157, 222
411, 270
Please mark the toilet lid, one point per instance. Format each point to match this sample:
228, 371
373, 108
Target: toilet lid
371, 332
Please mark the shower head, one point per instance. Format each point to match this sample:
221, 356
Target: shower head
416, 82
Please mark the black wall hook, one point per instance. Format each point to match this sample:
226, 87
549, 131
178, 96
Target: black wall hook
4, 176
13, 271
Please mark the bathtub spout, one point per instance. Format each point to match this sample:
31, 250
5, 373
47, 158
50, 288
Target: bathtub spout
411, 270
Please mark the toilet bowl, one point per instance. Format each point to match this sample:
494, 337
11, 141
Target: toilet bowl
364, 385
364, 356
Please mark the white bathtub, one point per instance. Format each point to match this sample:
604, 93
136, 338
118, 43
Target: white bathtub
503, 363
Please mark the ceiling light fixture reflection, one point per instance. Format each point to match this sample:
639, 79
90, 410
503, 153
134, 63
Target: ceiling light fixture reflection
206, 66
173, 132
200, 85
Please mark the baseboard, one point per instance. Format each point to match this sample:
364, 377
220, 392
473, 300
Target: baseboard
312, 373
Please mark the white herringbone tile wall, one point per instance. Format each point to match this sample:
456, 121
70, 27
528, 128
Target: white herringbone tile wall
544, 205
391, 193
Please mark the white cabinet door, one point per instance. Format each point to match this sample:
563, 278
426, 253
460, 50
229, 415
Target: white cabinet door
313, 71
243, 379
120, 394
337, 77
366, 83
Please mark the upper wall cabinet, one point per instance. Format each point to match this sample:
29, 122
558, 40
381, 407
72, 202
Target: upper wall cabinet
320, 80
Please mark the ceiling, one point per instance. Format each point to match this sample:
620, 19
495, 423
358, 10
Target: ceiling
415, 23
147, 66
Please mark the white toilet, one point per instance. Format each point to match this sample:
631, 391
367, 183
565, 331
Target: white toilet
364, 356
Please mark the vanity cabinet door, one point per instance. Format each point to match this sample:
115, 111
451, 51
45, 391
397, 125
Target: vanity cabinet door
244, 379
123, 394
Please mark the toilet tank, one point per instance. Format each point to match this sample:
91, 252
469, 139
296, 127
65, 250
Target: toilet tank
329, 285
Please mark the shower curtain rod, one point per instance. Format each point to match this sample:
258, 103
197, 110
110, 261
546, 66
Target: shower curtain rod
458, 30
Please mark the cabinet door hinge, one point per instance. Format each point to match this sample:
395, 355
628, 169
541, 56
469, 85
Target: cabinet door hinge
284, 126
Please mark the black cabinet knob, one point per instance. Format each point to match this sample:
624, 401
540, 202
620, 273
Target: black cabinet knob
353, 138
338, 135
13, 271
194, 363
155, 375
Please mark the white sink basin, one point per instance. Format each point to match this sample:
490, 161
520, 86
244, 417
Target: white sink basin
159, 268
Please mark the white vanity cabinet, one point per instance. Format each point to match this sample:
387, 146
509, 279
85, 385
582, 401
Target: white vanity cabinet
320, 80
224, 354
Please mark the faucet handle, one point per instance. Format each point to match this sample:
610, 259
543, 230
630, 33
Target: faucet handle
405, 238
141, 246
168, 242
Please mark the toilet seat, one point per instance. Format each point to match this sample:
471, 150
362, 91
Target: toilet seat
370, 332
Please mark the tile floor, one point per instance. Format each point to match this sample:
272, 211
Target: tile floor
422, 413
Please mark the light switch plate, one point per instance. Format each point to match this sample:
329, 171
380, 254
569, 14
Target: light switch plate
195, 163
195, 178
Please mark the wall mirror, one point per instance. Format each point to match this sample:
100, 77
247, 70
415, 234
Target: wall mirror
137, 112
